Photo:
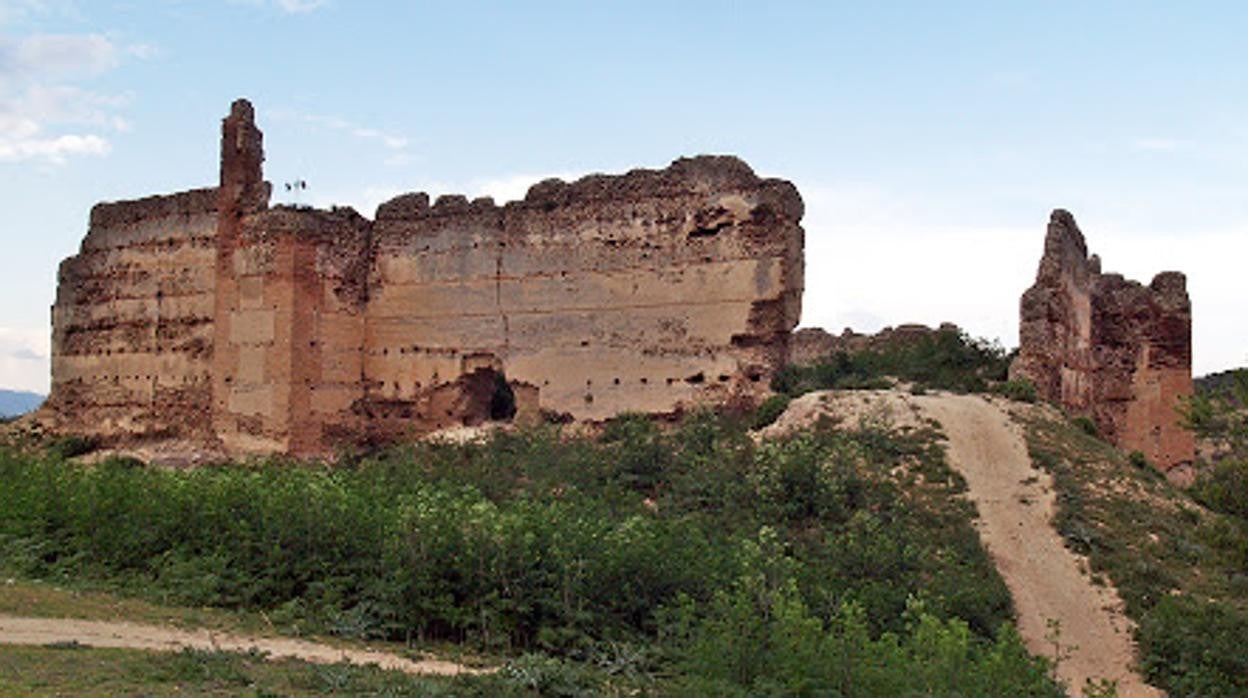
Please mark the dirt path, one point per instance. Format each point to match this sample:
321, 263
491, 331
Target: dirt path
1016, 505
92, 633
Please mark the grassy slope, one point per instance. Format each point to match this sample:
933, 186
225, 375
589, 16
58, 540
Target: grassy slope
79, 671
1147, 535
1177, 565
854, 528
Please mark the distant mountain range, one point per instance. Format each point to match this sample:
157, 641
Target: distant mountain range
18, 402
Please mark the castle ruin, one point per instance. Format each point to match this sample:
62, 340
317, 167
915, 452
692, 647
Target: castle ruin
1108, 348
208, 316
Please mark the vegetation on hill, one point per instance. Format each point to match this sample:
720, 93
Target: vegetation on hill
686, 561
945, 360
1179, 559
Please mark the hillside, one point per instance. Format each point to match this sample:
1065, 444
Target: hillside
1219, 382
689, 560
14, 403
852, 542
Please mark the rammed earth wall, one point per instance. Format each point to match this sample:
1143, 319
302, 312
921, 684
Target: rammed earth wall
210, 316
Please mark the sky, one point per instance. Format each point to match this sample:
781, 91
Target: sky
929, 140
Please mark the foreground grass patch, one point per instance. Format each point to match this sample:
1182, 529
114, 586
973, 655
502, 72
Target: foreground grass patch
80, 671
602, 562
1178, 566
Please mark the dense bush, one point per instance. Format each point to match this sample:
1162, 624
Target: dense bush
1021, 390
1219, 412
771, 409
1181, 571
1223, 487
946, 360
640, 538
1195, 648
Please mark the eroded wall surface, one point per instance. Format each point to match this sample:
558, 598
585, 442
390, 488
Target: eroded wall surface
653, 291
133, 320
1107, 347
641, 292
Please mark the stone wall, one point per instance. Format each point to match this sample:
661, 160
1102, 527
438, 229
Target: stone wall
652, 291
1109, 348
811, 345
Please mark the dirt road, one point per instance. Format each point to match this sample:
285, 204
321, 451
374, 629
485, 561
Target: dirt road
1016, 505
91, 633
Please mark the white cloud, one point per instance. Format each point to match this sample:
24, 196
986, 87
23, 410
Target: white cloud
55, 150
510, 187
290, 7
502, 189
59, 55
390, 141
21, 10
44, 118
1157, 145
24, 362
143, 52
299, 6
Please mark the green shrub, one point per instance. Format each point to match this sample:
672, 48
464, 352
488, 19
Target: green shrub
771, 409
1087, 426
1195, 648
65, 447
1021, 390
943, 360
529, 542
1224, 488
760, 638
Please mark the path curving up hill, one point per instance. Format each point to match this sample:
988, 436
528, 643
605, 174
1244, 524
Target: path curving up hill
94, 633
1016, 504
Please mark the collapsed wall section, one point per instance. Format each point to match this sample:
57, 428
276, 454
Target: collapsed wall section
133, 321
1109, 348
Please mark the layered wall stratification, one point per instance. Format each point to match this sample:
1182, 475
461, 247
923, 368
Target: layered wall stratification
133, 320
296, 329
1109, 348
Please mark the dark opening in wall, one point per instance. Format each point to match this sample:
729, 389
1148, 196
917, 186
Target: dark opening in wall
503, 401
709, 231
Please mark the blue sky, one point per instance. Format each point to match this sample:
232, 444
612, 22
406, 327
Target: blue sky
929, 140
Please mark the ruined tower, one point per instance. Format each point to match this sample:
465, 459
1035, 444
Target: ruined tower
1109, 348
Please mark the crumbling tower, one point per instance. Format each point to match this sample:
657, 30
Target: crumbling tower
1109, 348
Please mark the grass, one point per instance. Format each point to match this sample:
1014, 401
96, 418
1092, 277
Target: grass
1178, 566
1149, 536
79, 671
40, 599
